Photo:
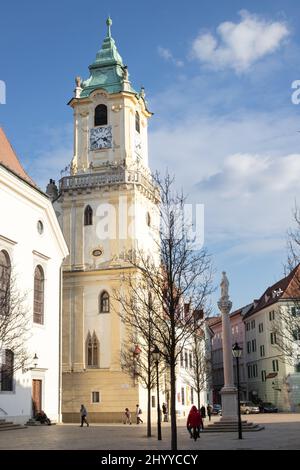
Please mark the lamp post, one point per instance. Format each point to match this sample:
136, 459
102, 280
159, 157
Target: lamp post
35, 364
156, 356
237, 352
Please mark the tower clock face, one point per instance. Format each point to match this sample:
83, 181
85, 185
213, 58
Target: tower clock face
101, 138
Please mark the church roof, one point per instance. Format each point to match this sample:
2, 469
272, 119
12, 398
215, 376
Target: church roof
107, 71
9, 159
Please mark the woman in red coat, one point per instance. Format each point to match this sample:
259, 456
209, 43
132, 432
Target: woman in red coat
194, 422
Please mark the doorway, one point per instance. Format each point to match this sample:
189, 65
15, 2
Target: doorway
36, 396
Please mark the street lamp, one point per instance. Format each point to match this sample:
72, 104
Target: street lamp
237, 352
156, 357
35, 363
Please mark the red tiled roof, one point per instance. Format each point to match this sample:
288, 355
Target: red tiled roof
287, 288
241, 311
9, 159
213, 320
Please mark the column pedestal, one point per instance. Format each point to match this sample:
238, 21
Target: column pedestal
229, 404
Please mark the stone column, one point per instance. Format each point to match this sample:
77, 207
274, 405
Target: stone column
228, 392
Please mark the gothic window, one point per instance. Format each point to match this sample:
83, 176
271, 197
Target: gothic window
7, 371
104, 303
5, 271
38, 295
137, 122
92, 351
101, 115
88, 216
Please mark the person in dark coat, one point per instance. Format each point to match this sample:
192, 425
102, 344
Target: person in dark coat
209, 410
43, 418
194, 422
83, 416
203, 412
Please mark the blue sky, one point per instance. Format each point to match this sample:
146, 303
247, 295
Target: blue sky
218, 78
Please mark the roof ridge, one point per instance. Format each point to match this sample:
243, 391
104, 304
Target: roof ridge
10, 160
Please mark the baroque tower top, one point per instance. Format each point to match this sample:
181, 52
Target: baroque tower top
108, 70
110, 117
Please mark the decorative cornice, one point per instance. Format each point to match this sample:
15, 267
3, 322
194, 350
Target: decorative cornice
8, 240
41, 255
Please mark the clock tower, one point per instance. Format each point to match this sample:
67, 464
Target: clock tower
107, 207
110, 117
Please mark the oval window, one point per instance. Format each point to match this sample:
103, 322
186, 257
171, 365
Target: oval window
97, 253
40, 227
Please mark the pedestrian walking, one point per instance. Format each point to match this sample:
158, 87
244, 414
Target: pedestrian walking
165, 412
194, 423
138, 413
203, 412
127, 416
83, 416
209, 411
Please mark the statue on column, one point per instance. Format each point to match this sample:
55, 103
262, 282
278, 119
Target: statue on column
224, 287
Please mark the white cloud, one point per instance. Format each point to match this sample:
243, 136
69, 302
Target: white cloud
167, 55
239, 45
242, 167
245, 175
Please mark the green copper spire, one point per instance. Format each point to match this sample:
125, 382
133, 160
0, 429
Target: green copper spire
107, 71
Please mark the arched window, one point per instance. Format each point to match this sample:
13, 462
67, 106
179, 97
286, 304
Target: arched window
38, 295
7, 371
137, 122
104, 302
101, 115
5, 271
92, 351
88, 216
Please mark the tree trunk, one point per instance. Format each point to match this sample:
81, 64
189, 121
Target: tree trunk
173, 408
198, 395
149, 411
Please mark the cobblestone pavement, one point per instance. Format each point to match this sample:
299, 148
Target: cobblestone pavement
282, 431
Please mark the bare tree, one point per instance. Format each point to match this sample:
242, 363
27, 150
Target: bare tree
182, 271
200, 368
14, 326
136, 354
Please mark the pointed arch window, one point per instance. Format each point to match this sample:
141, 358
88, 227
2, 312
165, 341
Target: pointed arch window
104, 302
101, 115
38, 295
5, 272
137, 122
88, 216
92, 351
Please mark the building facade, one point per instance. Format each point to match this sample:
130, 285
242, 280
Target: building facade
270, 363
107, 208
188, 374
273, 375
32, 249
